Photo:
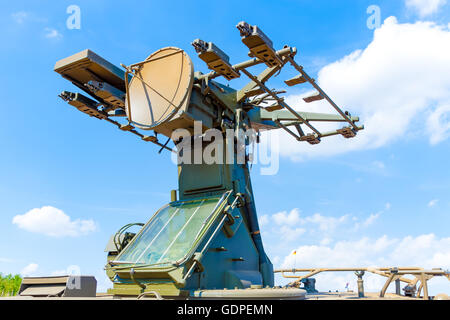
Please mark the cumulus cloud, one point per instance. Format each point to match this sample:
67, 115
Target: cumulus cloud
291, 224
326, 224
335, 241
288, 227
379, 165
283, 229
284, 217
263, 220
427, 251
432, 203
20, 17
399, 85
425, 7
53, 222
288, 233
51, 33
70, 270
371, 218
30, 270
29, 18
438, 124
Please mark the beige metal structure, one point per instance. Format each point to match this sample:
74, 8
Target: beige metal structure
392, 274
169, 77
71, 286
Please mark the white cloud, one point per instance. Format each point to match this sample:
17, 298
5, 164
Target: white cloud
398, 85
103, 282
29, 270
371, 218
438, 124
379, 165
53, 222
326, 241
263, 220
425, 251
285, 224
23, 18
425, 7
290, 218
20, 17
326, 224
61, 272
433, 202
288, 233
276, 260
290, 225
51, 33
70, 270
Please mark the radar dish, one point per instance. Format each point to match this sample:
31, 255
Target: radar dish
161, 85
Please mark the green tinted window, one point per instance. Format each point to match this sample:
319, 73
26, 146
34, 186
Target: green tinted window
170, 234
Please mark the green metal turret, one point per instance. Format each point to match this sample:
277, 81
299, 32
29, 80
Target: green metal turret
207, 238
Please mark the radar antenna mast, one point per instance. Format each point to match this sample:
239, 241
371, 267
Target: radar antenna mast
208, 236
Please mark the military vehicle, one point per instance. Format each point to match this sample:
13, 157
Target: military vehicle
206, 242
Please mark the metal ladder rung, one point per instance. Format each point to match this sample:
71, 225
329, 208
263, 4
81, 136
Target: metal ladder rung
126, 127
347, 132
150, 138
295, 80
315, 97
311, 139
224, 69
265, 53
254, 92
273, 107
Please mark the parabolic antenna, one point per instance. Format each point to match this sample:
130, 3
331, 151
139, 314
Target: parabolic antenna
161, 85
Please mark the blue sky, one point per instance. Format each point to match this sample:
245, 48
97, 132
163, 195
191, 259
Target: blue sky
53, 155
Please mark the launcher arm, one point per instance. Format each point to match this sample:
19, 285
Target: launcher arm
258, 115
268, 120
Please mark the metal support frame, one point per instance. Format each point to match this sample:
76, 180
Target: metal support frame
279, 100
258, 87
249, 63
131, 129
322, 93
392, 274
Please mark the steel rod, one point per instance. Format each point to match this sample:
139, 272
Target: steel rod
318, 88
287, 130
141, 135
279, 100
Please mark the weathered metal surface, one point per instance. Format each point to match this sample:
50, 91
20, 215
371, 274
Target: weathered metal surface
60, 286
251, 293
393, 274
